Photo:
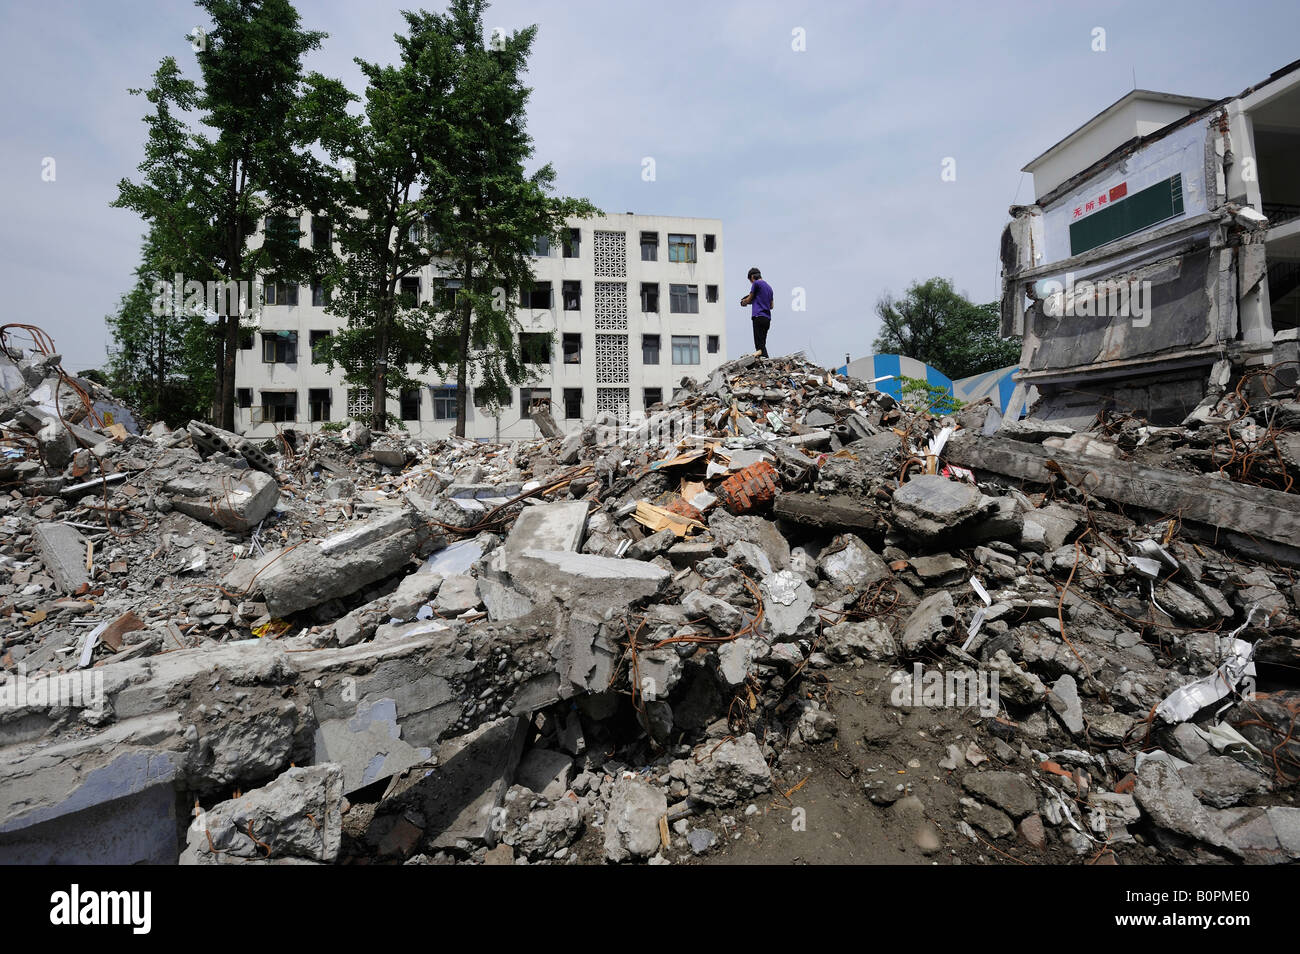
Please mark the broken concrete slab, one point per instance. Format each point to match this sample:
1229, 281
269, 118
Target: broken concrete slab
827, 512
311, 573
228, 499
1221, 782
930, 507
457, 595
1171, 804
1064, 701
1238, 511
63, 551
368, 746
574, 579
550, 526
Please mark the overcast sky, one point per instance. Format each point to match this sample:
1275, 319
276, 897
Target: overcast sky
824, 164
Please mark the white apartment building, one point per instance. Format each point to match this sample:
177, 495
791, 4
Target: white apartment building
635, 303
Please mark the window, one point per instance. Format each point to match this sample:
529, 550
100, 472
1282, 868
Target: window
318, 404
279, 347
686, 349
410, 291
282, 293
447, 291
684, 299
710, 243
537, 297
650, 297
542, 246
410, 404
483, 396
572, 296
281, 229
280, 407
445, 404
572, 348
681, 248
713, 344
572, 403
320, 232
652, 396
318, 341
649, 246
649, 349
536, 348
533, 397
244, 397
246, 344
711, 293
572, 243
319, 294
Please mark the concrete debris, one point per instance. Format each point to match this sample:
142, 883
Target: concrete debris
297, 818
610, 645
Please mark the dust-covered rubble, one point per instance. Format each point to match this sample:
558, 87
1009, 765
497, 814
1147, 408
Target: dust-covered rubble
634, 642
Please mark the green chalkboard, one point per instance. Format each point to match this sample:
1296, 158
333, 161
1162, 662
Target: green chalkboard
1141, 210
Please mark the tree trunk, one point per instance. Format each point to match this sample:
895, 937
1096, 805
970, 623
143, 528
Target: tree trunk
231, 345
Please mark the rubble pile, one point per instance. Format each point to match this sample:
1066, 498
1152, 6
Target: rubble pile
639, 641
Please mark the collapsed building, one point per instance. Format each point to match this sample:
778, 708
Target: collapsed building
661, 641
1162, 252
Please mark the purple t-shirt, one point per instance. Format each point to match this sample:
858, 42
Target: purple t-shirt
761, 305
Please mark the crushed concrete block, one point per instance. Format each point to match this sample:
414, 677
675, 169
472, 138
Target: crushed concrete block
298, 816
228, 499
850, 563
632, 822
930, 623
727, 773
63, 551
929, 506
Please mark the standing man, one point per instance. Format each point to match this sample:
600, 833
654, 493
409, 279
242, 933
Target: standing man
760, 297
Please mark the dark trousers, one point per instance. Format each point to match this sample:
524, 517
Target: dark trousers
760, 334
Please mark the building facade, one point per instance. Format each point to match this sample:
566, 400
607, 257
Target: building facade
1164, 240
631, 304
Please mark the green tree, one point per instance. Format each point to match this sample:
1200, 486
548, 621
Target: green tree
491, 211
204, 192
937, 325
380, 200
162, 360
